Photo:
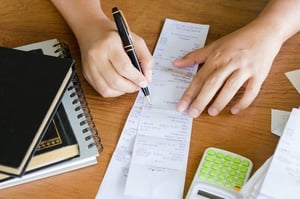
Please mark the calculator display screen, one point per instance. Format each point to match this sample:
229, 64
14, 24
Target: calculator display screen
208, 195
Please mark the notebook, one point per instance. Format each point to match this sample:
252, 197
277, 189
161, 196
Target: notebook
78, 113
31, 88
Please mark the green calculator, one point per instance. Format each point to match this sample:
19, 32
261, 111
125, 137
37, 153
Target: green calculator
220, 175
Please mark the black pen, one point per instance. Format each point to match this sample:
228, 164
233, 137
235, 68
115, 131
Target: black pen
128, 44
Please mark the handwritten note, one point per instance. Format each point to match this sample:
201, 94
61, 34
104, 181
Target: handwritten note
283, 176
155, 140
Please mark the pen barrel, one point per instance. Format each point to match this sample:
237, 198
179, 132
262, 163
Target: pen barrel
134, 60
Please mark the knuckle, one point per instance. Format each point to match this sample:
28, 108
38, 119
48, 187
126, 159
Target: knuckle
125, 69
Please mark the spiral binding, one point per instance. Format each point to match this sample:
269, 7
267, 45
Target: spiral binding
81, 102
62, 50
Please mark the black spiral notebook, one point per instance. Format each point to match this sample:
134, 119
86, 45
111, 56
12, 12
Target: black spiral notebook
78, 117
31, 87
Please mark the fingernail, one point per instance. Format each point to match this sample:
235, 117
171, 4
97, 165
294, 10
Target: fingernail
194, 113
213, 111
143, 84
235, 111
182, 106
175, 62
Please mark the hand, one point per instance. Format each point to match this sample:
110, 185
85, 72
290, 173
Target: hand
106, 66
242, 57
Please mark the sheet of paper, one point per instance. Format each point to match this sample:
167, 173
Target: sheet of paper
294, 77
143, 128
278, 121
283, 176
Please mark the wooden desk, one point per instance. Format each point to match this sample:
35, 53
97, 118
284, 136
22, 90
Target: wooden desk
27, 21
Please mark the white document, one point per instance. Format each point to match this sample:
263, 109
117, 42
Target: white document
283, 176
151, 155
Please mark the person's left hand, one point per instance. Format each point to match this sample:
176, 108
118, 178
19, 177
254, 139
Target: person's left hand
244, 56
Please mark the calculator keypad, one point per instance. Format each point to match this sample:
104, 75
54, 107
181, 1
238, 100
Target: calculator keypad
224, 169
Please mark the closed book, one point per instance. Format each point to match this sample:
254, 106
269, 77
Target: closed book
31, 88
58, 144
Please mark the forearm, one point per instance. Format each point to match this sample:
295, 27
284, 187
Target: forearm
80, 13
281, 17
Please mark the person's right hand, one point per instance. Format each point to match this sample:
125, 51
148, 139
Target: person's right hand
106, 65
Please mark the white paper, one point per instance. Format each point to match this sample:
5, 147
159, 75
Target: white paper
283, 176
278, 121
168, 84
294, 77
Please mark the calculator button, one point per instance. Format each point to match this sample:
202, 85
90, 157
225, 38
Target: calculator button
211, 152
237, 188
239, 182
241, 175
235, 166
244, 169
230, 178
218, 161
209, 158
224, 169
232, 173
207, 164
220, 155
226, 163
216, 167
202, 176
228, 185
236, 160
245, 163
213, 173
222, 176
205, 170
228, 157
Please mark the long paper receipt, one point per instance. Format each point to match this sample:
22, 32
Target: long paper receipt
150, 159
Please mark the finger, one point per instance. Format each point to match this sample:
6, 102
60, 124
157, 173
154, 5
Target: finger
145, 57
229, 89
252, 89
122, 64
99, 84
209, 89
190, 94
115, 80
196, 85
196, 57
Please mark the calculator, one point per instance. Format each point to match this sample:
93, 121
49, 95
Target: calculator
220, 175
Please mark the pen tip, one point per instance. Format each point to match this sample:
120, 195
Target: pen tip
148, 99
